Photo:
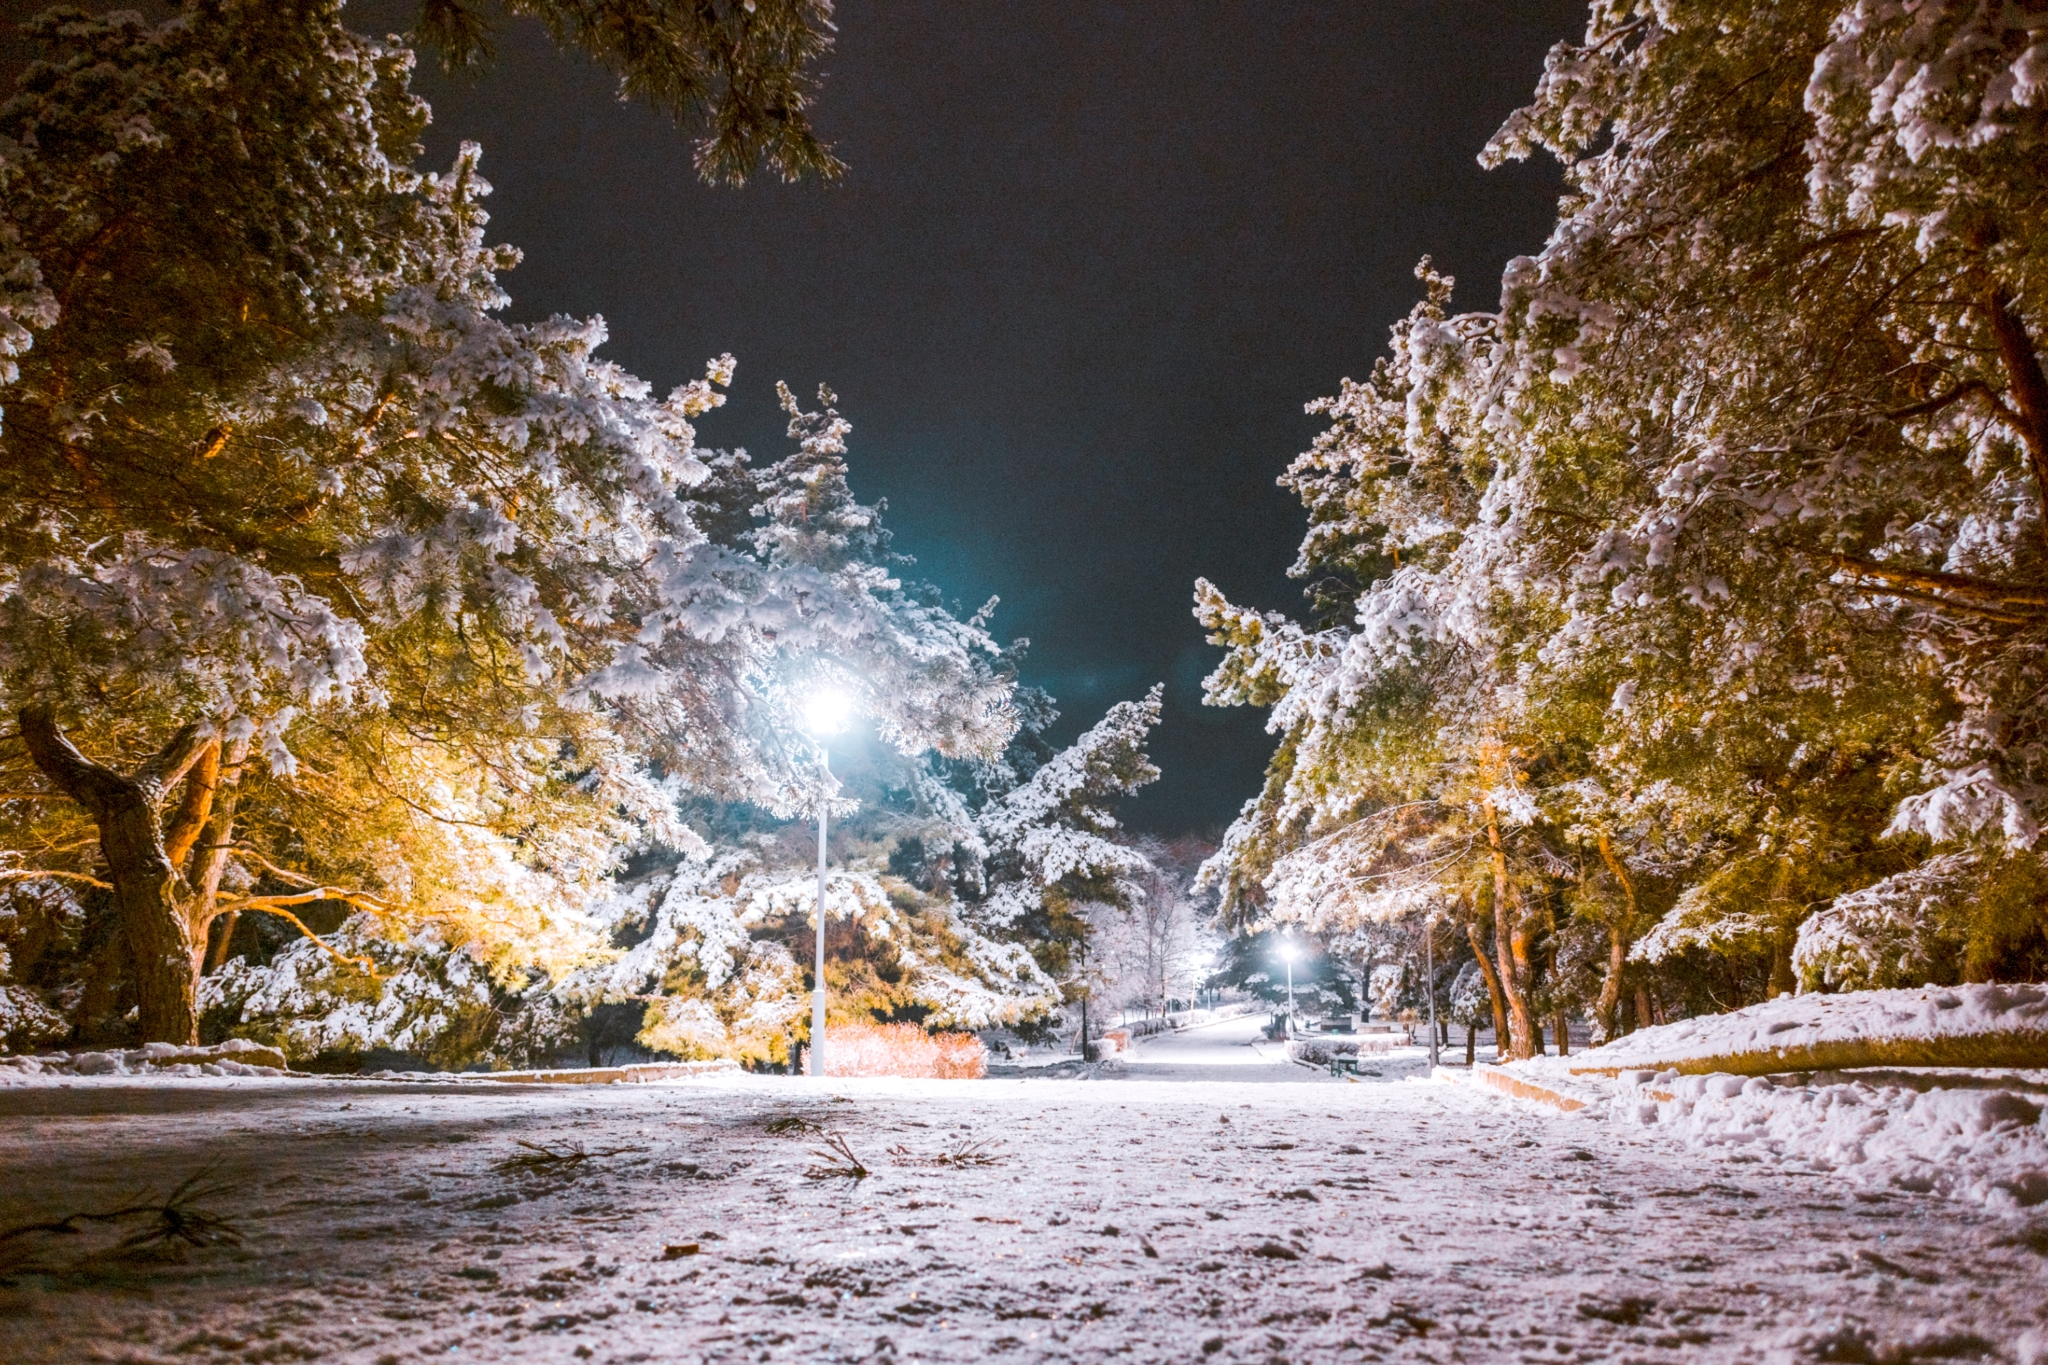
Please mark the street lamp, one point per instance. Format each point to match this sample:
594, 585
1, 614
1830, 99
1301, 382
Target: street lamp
1288, 952
825, 714
1429, 969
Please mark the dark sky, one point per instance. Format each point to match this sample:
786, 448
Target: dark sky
1090, 261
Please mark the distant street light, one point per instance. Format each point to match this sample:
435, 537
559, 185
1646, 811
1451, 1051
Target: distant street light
825, 714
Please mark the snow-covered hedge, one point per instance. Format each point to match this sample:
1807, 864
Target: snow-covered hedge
1980, 1025
903, 1050
423, 995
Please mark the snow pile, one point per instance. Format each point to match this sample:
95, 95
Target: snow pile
1994, 1025
1975, 1136
236, 1057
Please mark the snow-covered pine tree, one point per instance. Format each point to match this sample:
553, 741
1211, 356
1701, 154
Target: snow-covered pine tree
740, 74
365, 596
1777, 382
1725, 528
1412, 768
1052, 841
957, 897
713, 949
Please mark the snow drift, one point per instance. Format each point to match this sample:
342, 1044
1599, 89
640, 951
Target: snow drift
236, 1057
1975, 1137
1939, 1090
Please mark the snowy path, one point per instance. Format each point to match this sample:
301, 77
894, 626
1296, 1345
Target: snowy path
1238, 1050
1233, 1050
1163, 1221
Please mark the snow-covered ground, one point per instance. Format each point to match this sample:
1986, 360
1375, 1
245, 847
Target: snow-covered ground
1974, 1133
1286, 1220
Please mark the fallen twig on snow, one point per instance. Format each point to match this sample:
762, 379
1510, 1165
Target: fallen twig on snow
792, 1123
839, 1162
539, 1156
978, 1153
173, 1219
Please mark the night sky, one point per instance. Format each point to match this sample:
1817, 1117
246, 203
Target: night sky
1090, 261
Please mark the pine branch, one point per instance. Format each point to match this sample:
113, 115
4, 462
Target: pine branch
274, 905
1955, 395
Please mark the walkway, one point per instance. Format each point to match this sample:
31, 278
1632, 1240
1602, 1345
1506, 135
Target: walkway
1034, 1220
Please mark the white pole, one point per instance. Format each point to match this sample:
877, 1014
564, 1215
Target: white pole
1429, 958
818, 996
1290, 993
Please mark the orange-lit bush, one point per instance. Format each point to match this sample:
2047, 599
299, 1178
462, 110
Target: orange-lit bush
903, 1050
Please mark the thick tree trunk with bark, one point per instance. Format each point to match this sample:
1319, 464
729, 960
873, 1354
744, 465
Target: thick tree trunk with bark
1617, 946
147, 893
1511, 945
1486, 974
1610, 986
1560, 1013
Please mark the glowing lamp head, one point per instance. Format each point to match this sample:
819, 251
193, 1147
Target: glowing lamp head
1289, 951
827, 711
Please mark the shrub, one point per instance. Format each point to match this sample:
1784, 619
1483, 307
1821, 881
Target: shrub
903, 1050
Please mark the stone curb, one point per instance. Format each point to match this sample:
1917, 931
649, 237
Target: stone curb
639, 1073
1505, 1081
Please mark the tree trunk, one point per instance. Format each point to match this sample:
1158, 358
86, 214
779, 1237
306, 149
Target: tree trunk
209, 857
1560, 1017
1486, 974
147, 894
200, 785
217, 942
1646, 1013
1609, 1018
2026, 383
1511, 944
1471, 1044
1782, 980
1520, 981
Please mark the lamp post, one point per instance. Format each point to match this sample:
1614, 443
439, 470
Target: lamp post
1429, 968
824, 716
1287, 951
